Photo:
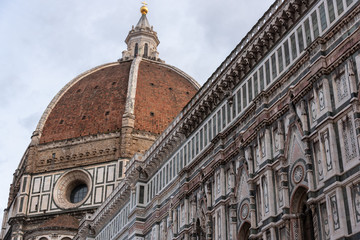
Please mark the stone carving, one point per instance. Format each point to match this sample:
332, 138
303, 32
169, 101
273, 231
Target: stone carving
335, 213
304, 116
262, 145
356, 197
349, 139
296, 229
315, 221
232, 177
326, 143
317, 154
287, 229
229, 181
313, 110
281, 196
321, 99
244, 211
342, 88
280, 131
259, 203
351, 68
277, 142
201, 209
266, 195
298, 173
218, 183
183, 214
257, 155
193, 209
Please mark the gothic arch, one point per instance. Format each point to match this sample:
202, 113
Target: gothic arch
302, 220
136, 50
146, 50
244, 231
298, 198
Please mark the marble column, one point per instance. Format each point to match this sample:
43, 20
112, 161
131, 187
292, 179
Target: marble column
271, 191
233, 221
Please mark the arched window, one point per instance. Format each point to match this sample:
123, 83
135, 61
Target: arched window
136, 49
146, 49
66, 238
43, 238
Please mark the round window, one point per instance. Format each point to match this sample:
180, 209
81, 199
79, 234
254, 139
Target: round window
72, 189
78, 193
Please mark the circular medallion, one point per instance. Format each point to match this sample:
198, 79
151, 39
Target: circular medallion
72, 189
298, 174
244, 211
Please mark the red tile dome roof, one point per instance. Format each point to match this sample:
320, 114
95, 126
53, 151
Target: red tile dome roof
95, 101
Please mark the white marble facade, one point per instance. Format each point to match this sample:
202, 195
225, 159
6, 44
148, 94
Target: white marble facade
271, 148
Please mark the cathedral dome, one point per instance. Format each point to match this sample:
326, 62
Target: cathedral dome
139, 89
89, 133
95, 102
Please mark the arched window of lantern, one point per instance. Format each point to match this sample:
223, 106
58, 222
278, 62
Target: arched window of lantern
136, 49
146, 49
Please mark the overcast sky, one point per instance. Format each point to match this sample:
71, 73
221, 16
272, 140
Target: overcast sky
46, 43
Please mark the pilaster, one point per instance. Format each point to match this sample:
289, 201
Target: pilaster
271, 190
268, 144
222, 181
233, 221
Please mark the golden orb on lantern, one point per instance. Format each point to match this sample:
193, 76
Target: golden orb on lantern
144, 9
